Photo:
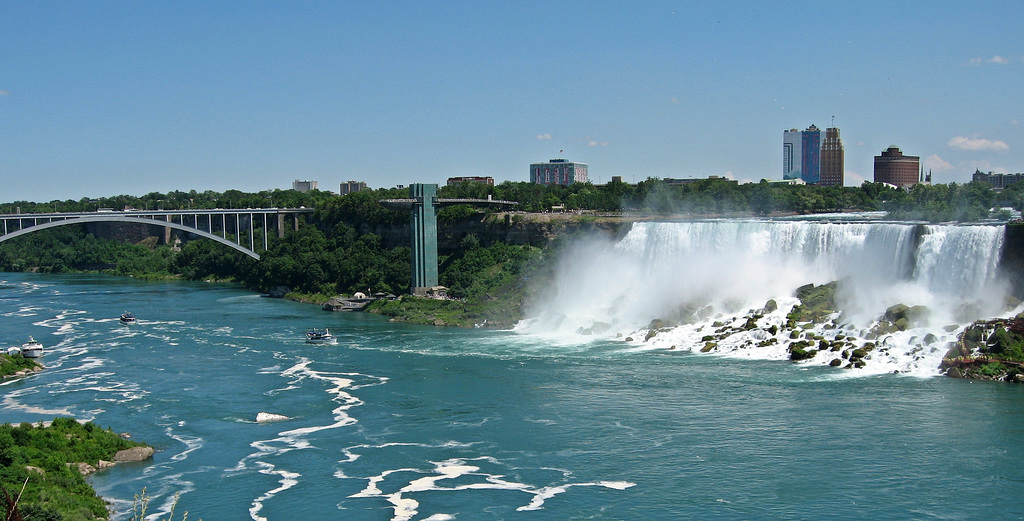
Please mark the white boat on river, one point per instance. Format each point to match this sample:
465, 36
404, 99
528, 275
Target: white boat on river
319, 336
32, 348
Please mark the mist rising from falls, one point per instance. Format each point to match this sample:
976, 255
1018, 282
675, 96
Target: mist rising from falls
692, 274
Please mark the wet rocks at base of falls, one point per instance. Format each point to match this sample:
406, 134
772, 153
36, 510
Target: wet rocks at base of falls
814, 329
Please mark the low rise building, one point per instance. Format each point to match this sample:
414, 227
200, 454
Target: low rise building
471, 179
690, 180
558, 172
998, 181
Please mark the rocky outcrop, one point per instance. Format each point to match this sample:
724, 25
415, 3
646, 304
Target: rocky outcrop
134, 454
267, 417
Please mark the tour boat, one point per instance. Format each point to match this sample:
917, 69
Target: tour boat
32, 348
127, 317
14, 350
319, 336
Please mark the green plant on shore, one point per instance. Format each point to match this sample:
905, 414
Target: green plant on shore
992, 369
141, 503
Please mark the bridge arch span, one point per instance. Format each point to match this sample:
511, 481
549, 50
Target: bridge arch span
125, 219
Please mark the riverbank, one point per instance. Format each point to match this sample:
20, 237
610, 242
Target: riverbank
44, 468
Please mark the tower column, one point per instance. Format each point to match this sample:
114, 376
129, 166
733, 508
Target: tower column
423, 228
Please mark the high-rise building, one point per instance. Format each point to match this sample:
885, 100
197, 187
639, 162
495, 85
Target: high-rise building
832, 159
558, 172
352, 186
894, 168
801, 154
304, 186
810, 164
792, 153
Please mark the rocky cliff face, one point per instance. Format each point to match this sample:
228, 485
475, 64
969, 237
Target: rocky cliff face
510, 228
126, 232
1012, 259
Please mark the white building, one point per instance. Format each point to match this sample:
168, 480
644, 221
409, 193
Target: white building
792, 153
304, 186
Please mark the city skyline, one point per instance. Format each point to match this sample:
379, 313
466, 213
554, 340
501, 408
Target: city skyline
100, 99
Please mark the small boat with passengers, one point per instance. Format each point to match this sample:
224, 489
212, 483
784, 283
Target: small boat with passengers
32, 348
319, 336
128, 318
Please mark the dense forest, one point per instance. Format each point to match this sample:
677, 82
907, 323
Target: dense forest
335, 250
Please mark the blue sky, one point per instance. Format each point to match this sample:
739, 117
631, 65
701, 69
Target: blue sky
107, 98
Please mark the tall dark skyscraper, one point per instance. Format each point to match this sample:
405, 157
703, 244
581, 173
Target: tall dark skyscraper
832, 159
810, 167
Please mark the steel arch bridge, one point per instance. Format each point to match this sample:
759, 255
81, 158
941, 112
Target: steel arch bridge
204, 223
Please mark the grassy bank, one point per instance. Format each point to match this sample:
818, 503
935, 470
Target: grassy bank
12, 365
39, 467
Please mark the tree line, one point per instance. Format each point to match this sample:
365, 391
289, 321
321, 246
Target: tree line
338, 249
714, 196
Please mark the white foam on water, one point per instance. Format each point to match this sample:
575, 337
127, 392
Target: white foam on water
406, 507
287, 481
24, 311
11, 401
297, 439
191, 443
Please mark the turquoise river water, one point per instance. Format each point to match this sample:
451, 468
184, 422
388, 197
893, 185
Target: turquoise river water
398, 422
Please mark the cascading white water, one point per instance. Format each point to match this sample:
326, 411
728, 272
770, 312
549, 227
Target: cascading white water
727, 268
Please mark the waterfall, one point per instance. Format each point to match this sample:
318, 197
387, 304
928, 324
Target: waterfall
690, 274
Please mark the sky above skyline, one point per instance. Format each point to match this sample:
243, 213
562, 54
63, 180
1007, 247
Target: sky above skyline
107, 98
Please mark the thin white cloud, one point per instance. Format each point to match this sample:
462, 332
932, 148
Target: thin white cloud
936, 163
593, 143
675, 100
965, 143
544, 137
995, 60
851, 178
5, 93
